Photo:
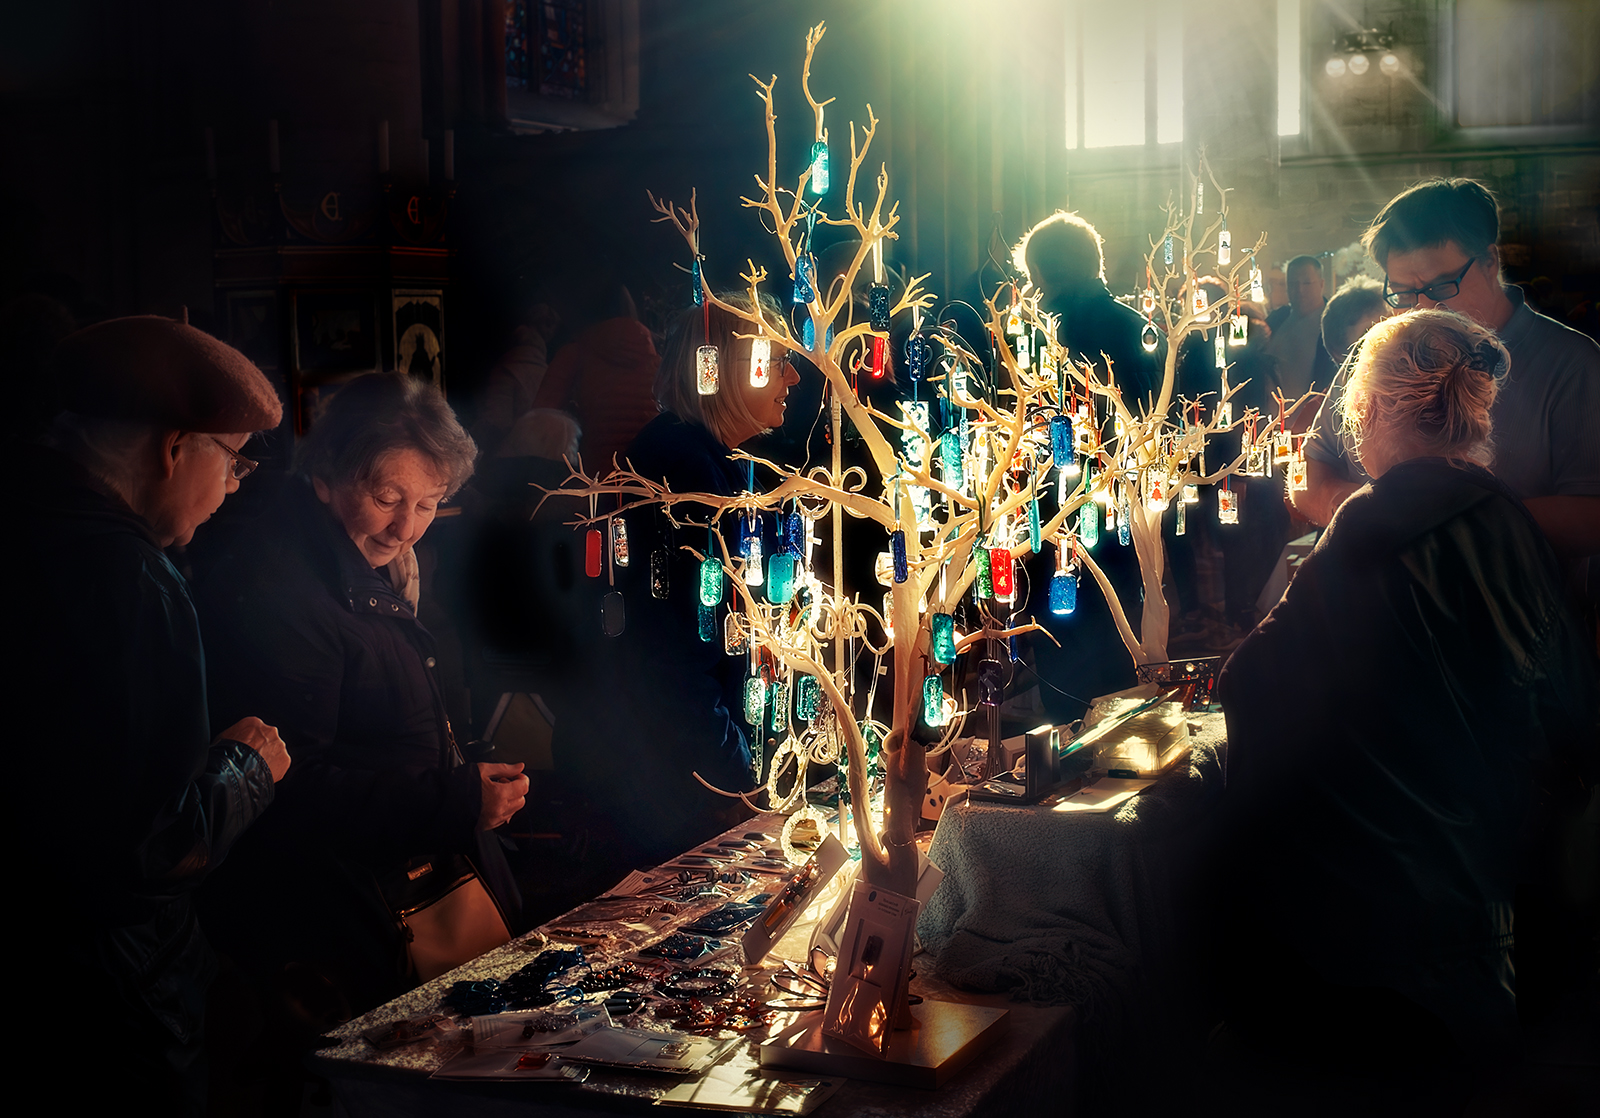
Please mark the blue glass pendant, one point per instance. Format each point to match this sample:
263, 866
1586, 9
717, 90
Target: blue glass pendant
897, 547
794, 535
917, 354
1063, 593
1060, 440
878, 306
805, 271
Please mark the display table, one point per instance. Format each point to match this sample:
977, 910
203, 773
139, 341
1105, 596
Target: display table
1062, 908
1030, 1068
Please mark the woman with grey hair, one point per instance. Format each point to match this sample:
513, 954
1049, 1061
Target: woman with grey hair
1391, 724
316, 621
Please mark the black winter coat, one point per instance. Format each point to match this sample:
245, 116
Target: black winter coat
113, 782
312, 639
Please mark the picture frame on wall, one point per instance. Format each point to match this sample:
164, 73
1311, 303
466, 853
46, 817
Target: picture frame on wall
253, 327
419, 334
335, 331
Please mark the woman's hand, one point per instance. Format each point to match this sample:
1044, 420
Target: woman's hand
505, 790
264, 740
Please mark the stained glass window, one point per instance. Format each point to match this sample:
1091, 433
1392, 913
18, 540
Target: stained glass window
517, 24
562, 72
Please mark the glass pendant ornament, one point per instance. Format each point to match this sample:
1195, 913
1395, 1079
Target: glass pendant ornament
1124, 522
710, 581
750, 549
880, 347
1166, 251
950, 455
1219, 345
933, 701
1063, 592
819, 167
1181, 528
660, 579
705, 370
779, 714
883, 568
1200, 197
755, 700
1238, 330
591, 553
1089, 523
1002, 574
735, 637
1227, 506
708, 622
808, 333
897, 548
1200, 304
760, 362
805, 270
1297, 472
982, 581
697, 283
1255, 462
917, 354
1149, 337
1024, 351
619, 541
1282, 448
1147, 302
1084, 431
807, 697
958, 381
878, 306
1035, 530
942, 638
1191, 494
1224, 246
794, 534
1159, 496
780, 578
1013, 322
1258, 291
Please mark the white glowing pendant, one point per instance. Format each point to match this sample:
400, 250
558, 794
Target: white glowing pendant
1297, 472
1227, 506
705, 367
1224, 247
1149, 338
1220, 345
1258, 293
1238, 330
1200, 304
760, 362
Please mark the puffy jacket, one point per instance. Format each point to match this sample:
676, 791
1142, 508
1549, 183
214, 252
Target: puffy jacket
312, 639
114, 783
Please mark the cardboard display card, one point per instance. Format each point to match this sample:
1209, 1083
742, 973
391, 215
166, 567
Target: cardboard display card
869, 982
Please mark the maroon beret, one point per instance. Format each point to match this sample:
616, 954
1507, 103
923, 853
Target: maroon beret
155, 370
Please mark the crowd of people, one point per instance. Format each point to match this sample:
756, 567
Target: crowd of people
263, 758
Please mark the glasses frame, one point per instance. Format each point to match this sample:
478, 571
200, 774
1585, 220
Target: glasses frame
241, 466
1435, 291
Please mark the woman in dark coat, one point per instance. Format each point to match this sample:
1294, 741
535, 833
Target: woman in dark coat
313, 618
1390, 725
660, 703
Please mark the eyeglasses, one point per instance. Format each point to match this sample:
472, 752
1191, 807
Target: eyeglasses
242, 467
1438, 292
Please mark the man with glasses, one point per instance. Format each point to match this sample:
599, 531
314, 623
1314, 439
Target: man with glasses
115, 784
1436, 243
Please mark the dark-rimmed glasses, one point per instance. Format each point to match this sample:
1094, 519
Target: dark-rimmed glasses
242, 467
1438, 291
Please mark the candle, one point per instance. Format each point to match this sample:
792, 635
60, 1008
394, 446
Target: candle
383, 147
274, 164
449, 155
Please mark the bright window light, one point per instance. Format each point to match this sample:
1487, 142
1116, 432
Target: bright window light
1108, 56
1288, 67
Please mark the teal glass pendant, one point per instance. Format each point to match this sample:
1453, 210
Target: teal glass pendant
933, 701
780, 578
1063, 593
808, 333
697, 282
807, 697
982, 581
1035, 531
819, 167
779, 714
1060, 440
755, 700
805, 270
710, 581
708, 623
942, 638
1089, 523
950, 454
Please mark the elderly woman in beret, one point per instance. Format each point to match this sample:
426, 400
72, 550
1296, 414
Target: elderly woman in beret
1393, 722
115, 783
313, 617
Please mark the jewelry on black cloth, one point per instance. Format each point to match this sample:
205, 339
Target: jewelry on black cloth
700, 983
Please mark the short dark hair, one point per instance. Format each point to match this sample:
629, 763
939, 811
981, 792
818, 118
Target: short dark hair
379, 414
1357, 298
1061, 253
1430, 213
1301, 262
